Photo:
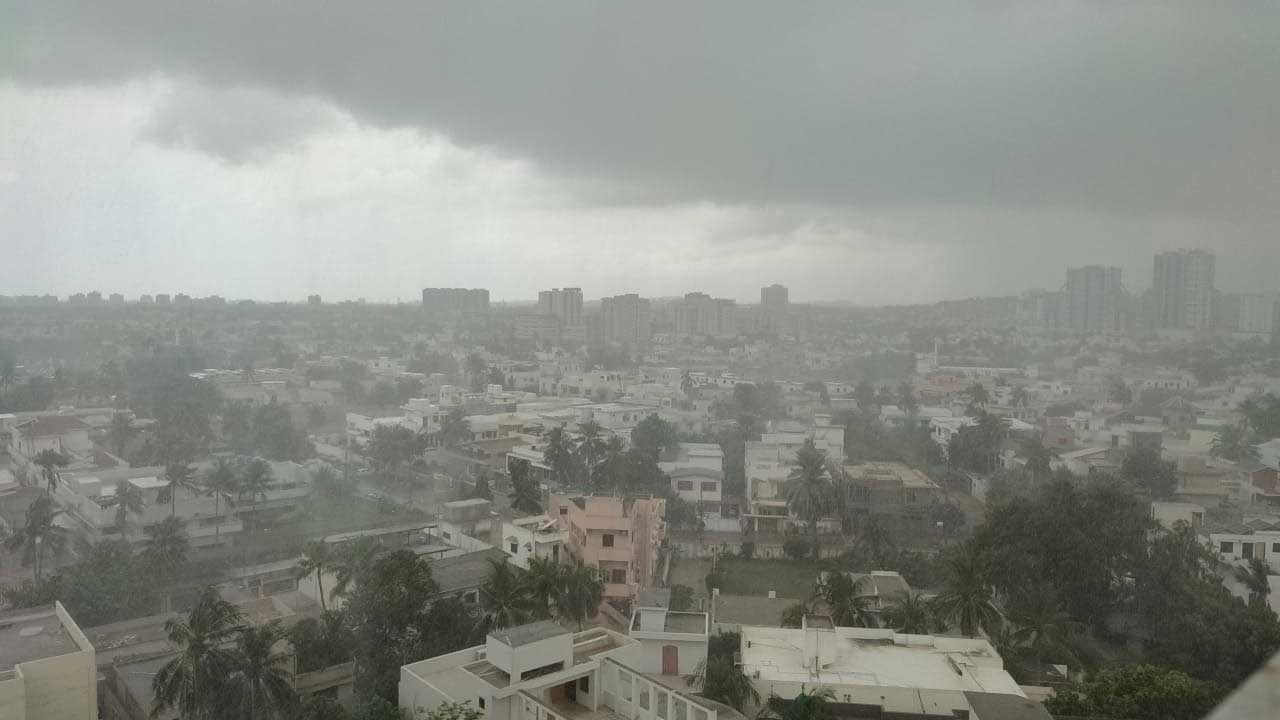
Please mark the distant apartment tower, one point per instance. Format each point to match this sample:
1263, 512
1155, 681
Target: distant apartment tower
1256, 314
1043, 310
565, 304
1095, 299
162, 298
774, 298
624, 319
701, 314
1182, 289
455, 300
313, 300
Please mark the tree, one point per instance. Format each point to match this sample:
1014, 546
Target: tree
1256, 579
796, 548
876, 539
261, 684
580, 594
195, 680
967, 600
1141, 692
559, 456
681, 598
49, 461
1038, 457
391, 449
40, 535
719, 678
507, 602
321, 642
120, 432
128, 500
807, 705
353, 561
655, 436
1263, 415
525, 495
907, 398
865, 395
1235, 443
387, 610
1042, 623
911, 614
476, 370
455, 711
1146, 470
793, 616
180, 476
455, 429
383, 394
223, 483
317, 559
846, 605
255, 482
166, 548
809, 489
543, 580
977, 395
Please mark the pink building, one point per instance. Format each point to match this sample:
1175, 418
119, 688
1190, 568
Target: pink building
618, 536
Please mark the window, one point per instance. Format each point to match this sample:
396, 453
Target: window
606, 540
481, 703
584, 684
1246, 550
618, 577
515, 548
564, 510
710, 486
684, 484
1275, 547
1227, 547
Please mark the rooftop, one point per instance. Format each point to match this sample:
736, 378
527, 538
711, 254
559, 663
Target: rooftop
148, 483
29, 635
878, 658
464, 571
53, 425
531, 633
694, 623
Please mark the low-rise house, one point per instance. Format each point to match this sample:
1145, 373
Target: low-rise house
671, 642
537, 536
1244, 545
543, 671
47, 667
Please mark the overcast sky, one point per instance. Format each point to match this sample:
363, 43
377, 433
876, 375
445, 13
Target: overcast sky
877, 153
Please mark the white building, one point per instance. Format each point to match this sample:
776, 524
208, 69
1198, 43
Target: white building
47, 667
543, 671
1238, 547
537, 536
1269, 454
905, 675
671, 642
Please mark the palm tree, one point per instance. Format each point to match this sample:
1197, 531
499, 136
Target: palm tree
454, 428
506, 601
49, 462
912, 615
128, 500
261, 684
120, 432
808, 705
1042, 623
558, 455
165, 551
719, 678
580, 593
1256, 580
793, 615
317, 558
221, 482
848, 608
876, 539
543, 579
977, 395
195, 679
351, 562
254, 483
38, 536
180, 476
809, 490
1039, 457
475, 368
1234, 442
968, 599
590, 450
610, 466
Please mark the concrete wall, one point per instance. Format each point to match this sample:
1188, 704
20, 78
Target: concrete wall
691, 652
13, 696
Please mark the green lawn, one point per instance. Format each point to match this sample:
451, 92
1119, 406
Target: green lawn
790, 578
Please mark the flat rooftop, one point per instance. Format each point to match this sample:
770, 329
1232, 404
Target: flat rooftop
530, 633
877, 658
29, 635
680, 622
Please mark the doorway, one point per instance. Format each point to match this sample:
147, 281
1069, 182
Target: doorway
670, 660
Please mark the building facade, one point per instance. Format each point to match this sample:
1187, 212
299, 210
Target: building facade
1183, 287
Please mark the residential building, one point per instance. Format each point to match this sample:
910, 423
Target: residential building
1257, 315
1183, 288
625, 321
620, 537
543, 671
536, 536
563, 304
47, 667
1095, 298
455, 300
1269, 453
701, 314
1246, 545
884, 673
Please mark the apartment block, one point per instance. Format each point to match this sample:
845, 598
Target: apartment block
619, 537
47, 667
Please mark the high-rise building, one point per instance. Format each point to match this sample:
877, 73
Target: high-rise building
565, 304
774, 298
701, 314
313, 300
1256, 314
1182, 289
455, 300
1095, 299
624, 319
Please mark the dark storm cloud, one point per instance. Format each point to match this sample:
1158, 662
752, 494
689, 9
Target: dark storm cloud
1117, 108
